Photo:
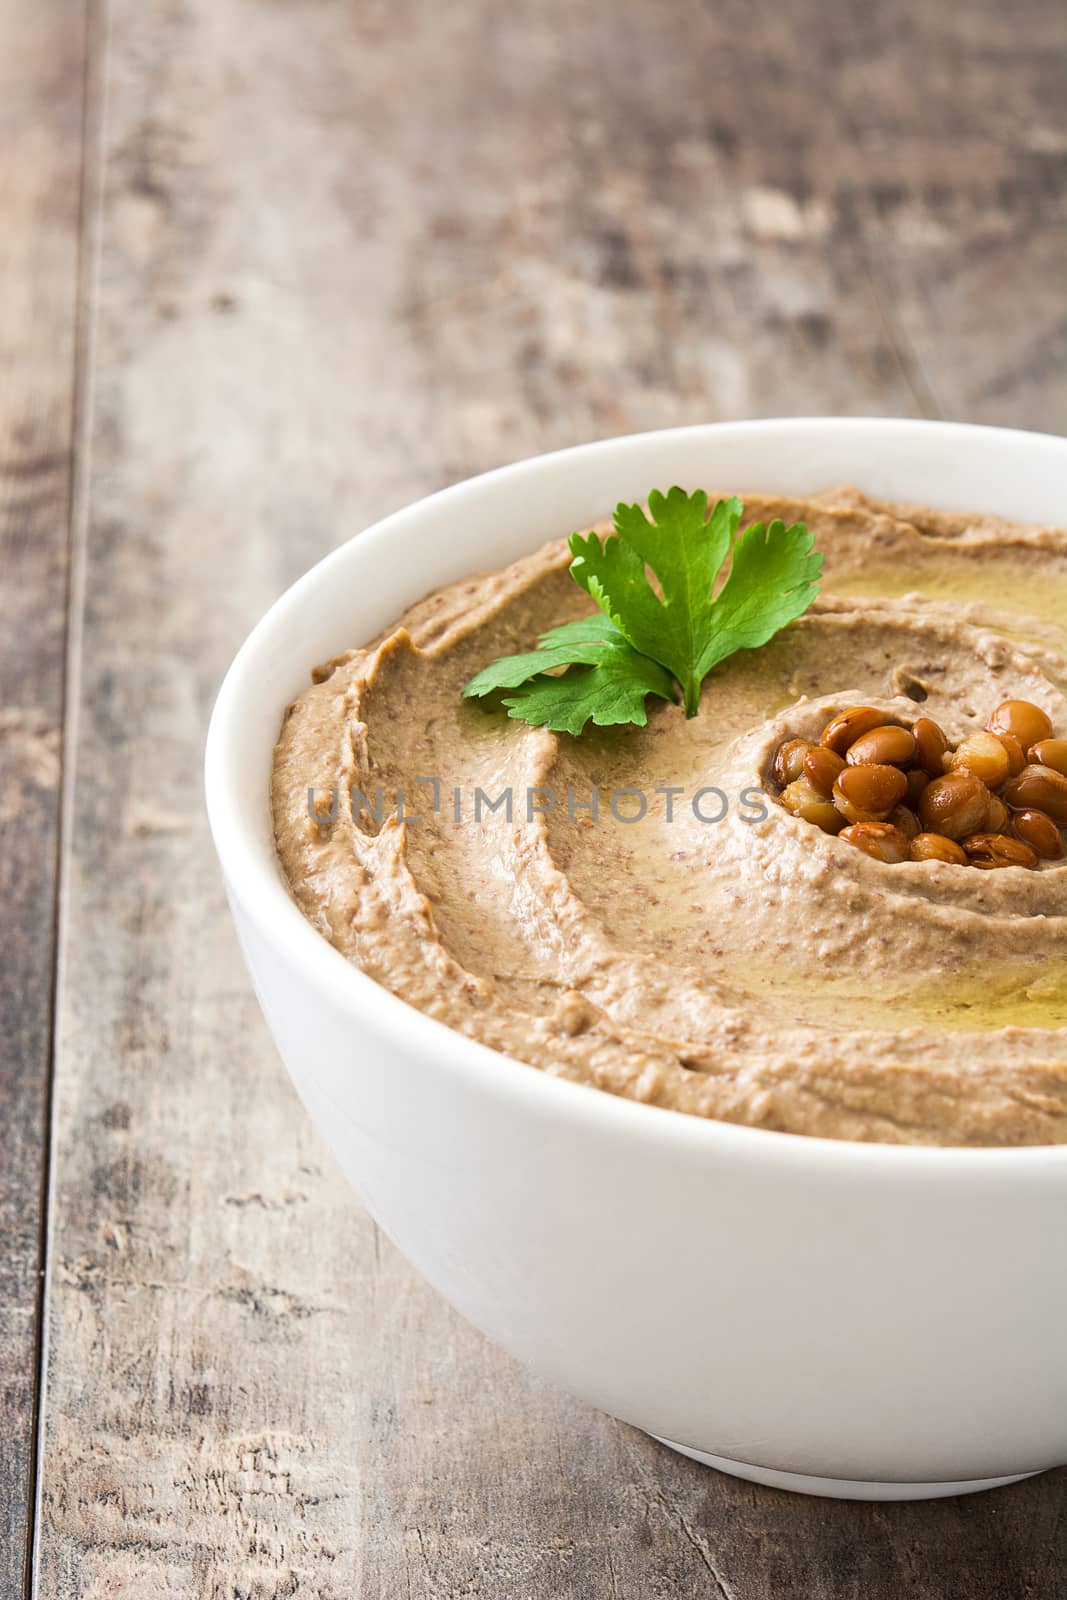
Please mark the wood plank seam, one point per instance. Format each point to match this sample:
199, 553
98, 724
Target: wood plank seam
79, 426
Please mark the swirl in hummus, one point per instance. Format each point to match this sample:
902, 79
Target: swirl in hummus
755, 971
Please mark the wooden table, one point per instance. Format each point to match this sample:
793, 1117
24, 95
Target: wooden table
268, 270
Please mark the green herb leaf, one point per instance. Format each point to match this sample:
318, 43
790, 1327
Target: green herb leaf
613, 691
685, 550
672, 626
773, 579
607, 683
573, 643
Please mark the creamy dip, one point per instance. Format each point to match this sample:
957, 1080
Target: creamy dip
692, 945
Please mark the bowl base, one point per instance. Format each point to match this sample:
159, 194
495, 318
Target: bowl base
840, 1488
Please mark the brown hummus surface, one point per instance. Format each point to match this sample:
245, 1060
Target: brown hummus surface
754, 971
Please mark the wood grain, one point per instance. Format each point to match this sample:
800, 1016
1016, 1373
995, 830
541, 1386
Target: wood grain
348, 254
42, 50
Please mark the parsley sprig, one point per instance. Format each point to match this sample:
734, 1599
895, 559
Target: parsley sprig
646, 641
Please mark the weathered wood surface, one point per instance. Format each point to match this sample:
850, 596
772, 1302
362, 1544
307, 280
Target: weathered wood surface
42, 59
347, 253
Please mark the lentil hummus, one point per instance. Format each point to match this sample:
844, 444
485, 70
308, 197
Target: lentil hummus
716, 954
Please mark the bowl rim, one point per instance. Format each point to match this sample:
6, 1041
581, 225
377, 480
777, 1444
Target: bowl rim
256, 883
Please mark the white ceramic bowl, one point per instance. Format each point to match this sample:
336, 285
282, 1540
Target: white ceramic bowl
870, 1321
